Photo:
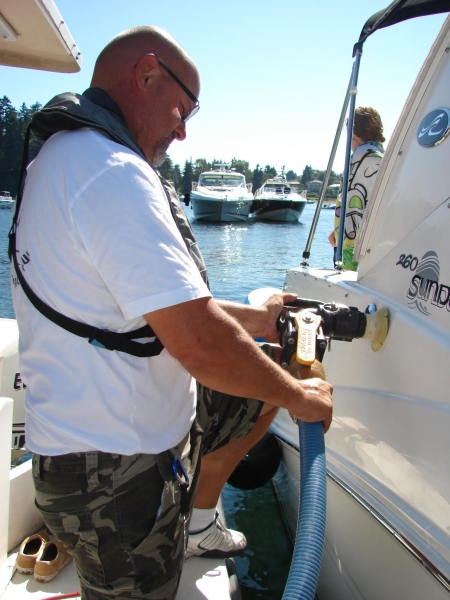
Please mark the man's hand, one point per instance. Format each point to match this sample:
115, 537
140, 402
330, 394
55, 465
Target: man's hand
274, 308
259, 321
315, 404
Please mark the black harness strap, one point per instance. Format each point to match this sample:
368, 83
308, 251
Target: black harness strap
102, 338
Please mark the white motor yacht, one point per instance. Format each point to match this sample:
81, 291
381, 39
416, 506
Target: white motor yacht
221, 195
6, 198
278, 200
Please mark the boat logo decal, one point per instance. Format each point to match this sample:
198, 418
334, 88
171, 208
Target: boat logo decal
424, 287
434, 127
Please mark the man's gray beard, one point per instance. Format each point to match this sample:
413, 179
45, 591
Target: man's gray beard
160, 153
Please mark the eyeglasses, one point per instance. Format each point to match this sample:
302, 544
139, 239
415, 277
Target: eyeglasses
194, 110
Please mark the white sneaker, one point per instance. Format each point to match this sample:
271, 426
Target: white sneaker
216, 541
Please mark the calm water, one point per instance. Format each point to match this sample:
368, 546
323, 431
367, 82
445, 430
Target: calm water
240, 258
6, 307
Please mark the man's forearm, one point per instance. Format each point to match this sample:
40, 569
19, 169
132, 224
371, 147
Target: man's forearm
252, 319
219, 353
259, 321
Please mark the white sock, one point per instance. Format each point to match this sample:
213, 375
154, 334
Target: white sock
201, 518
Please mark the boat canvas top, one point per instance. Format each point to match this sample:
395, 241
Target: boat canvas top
389, 221
398, 11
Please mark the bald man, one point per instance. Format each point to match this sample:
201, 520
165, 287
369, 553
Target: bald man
117, 325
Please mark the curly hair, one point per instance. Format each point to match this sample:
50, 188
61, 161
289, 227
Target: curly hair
368, 125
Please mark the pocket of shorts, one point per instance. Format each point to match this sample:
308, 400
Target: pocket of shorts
159, 567
76, 531
70, 481
73, 528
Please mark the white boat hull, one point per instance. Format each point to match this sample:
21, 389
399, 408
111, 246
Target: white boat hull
383, 563
388, 508
388, 515
221, 196
357, 535
220, 210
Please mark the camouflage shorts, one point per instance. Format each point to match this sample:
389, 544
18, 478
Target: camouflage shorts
125, 518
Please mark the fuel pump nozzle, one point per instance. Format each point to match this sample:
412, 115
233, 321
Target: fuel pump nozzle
309, 325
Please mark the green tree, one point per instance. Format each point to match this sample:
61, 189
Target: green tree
269, 172
331, 192
200, 165
291, 175
177, 178
257, 178
13, 125
334, 177
187, 178
10, 147
166, 169
35, 143
242, 166
307, 175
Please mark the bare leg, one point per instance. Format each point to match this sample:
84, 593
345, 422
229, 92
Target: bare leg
218, 466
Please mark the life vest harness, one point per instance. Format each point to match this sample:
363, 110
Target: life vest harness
58, 116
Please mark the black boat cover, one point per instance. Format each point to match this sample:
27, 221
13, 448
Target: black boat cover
398, 11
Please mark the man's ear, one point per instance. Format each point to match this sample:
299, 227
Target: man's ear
145, 70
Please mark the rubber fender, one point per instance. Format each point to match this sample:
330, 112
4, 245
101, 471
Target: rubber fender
258, 466
235, 590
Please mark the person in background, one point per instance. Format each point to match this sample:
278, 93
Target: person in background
367, 147
126, 448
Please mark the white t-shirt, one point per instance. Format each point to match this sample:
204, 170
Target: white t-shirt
98, 243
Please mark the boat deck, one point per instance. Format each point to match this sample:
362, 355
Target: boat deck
202, 579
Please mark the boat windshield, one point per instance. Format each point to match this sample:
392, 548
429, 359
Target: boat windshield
280, 189
222, 180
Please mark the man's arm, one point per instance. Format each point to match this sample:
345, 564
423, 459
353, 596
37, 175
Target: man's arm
259, 321
218, 352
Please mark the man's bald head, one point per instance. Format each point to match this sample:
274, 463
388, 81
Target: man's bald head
129, 70
127, 47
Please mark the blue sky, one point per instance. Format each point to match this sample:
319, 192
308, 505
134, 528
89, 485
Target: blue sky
274, 74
